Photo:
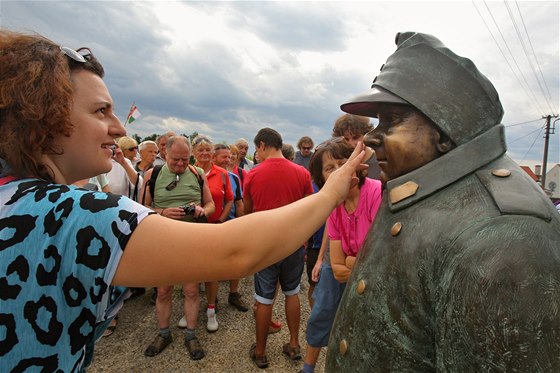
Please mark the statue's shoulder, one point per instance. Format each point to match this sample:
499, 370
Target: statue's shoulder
514, 192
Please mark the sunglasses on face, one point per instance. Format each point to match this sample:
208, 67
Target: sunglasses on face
173, 184
133, 148
306, 147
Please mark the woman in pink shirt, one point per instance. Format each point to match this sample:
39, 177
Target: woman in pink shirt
349, 223
347, 227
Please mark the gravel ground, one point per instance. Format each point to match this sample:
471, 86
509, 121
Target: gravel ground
227, 350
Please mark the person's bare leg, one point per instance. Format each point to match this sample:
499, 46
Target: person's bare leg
191, 304
263, 315
293, 316
312, 355
211, 292
310, 295
164, 306
233, 286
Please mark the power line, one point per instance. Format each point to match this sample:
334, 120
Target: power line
519, 124
526, 87
531, 147
549, 97
522, 137
526, 53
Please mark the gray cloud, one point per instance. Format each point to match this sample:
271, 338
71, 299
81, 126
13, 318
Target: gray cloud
192, 81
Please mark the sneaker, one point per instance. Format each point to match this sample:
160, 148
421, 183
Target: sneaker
212, 324
235, 300
158, 345
182, 324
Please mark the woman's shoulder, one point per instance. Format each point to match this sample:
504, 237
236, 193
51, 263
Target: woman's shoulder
372, 185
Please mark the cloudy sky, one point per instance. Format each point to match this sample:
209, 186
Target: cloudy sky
226, 69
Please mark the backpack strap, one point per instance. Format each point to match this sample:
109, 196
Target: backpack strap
152, 182
240, 172
200, 183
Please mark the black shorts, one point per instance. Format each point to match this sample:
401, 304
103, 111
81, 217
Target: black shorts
311, 259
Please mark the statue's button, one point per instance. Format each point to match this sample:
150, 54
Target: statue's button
343, 347
501, 172
361, 287
396, 228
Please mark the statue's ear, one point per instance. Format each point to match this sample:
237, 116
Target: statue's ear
444, 144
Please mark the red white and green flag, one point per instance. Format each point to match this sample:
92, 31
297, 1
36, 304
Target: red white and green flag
132, 115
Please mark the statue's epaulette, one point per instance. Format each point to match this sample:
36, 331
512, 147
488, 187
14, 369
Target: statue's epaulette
515, 193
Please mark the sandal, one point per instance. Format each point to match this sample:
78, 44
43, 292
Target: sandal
294, 353
111, 328
195, 349
158, 345
260, 361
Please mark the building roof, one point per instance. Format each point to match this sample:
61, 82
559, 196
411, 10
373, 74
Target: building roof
530, 172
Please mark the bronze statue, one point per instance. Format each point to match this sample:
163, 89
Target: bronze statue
461, 270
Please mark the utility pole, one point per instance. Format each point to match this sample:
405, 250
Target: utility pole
547, 132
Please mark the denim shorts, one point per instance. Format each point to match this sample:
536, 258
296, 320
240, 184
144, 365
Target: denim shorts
288, 271
327, 295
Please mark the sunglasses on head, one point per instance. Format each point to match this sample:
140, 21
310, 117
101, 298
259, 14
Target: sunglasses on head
200, 140
76, 55
173, 184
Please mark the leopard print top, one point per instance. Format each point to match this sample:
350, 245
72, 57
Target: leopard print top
59, 249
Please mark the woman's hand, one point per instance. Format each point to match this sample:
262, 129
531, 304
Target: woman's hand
316, 272
350, 260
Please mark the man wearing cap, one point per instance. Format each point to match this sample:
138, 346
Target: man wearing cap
461, 271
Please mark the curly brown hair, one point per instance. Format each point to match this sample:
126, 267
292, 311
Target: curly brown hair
356, 125
35, 100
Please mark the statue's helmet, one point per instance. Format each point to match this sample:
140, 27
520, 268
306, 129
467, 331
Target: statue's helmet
447, 88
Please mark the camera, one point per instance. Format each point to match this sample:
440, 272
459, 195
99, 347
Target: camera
189, 210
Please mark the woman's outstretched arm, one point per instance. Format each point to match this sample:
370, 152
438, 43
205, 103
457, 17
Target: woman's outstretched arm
163, 251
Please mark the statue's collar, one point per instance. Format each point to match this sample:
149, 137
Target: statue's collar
439, 173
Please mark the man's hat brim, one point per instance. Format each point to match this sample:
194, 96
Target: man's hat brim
366, 104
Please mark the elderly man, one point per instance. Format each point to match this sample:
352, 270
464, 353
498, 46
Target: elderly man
461, 271
243, 146
180, 192
161, 142
148, 151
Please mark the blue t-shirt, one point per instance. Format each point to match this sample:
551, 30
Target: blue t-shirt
59, 250
237, 193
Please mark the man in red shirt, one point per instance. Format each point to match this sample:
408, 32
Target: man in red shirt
276, 182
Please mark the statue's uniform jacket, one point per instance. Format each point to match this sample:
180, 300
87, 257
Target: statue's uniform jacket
460, 272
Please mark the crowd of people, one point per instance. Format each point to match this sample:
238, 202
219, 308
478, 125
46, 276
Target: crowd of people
199, 181
459, 270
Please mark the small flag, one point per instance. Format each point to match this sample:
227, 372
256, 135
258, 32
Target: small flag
132, 115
